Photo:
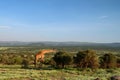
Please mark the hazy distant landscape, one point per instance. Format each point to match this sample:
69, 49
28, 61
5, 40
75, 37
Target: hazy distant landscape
49, 43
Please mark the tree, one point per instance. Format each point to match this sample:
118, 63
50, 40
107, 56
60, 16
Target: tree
109, 60
86, 59
79, 58
62, 58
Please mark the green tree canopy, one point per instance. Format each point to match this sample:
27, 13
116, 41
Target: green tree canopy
62, 58
109, 60
86, 59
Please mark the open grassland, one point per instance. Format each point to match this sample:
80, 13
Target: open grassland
14, 72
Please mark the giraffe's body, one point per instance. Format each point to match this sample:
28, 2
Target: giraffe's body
40, 55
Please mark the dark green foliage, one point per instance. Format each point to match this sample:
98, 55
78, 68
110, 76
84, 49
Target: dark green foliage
4, 59
61, 59
47, 61
86, 59
79, 58
12, 58
18, 60
118, 62
25, 63
52, 63
108, 61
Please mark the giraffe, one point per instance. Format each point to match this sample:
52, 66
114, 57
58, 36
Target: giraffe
41, 54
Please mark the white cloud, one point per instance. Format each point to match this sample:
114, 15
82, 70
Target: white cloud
103, 17
5, 27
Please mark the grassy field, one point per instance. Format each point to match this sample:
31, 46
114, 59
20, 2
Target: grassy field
14, 72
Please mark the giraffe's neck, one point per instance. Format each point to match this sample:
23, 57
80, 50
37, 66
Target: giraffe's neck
46, 51
41, 54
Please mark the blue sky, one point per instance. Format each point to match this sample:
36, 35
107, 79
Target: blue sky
60, 20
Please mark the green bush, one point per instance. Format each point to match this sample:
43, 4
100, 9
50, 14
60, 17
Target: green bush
118, 62
4, 59
86, 59
61, 59
109, 61
47, 61
17, 60
25, 63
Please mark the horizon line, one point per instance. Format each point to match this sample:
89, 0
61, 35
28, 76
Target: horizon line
60, 41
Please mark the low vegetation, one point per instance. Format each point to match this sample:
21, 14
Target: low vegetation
10, 72
63, 65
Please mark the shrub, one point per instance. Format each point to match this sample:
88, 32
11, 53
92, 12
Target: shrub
61, 59
25, 63
46, 61
86, 59
118, 62
4, 59
109, 61
17, 60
